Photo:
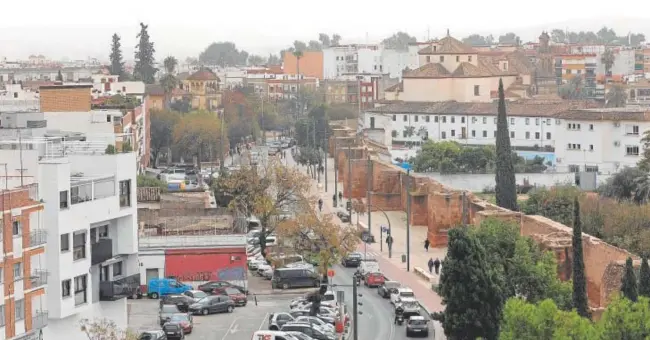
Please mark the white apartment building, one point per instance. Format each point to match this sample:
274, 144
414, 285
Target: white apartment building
603, 140
109, 85
31, 73
352, 59
90, 212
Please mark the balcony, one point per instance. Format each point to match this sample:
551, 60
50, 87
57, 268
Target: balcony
101, 251
39, 278
118, 289
35, 124
39, 319
37, 238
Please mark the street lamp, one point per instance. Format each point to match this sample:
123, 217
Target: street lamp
381, 231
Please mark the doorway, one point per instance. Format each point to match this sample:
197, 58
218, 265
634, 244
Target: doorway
152, 273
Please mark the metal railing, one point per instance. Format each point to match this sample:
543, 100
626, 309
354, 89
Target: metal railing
37, 237
39, 278
192, 241
39, 320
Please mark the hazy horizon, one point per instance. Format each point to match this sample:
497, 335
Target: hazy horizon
267, 27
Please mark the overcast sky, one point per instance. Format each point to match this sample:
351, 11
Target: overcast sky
80, 28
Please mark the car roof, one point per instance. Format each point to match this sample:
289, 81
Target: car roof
195, 291
390, 283
417, 317
404, 289
408, 299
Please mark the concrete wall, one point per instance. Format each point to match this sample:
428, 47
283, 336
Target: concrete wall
440, 207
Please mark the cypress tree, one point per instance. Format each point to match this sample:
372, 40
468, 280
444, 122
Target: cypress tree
117, 64
580, 301
144, 69
470, 290
628, 282
506, 187
644, 278
59, 76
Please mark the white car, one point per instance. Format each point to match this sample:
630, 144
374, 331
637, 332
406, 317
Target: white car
402, 292
262, 267
409, 304
316, 321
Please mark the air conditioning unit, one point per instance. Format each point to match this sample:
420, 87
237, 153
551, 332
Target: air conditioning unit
617, 143
617, 124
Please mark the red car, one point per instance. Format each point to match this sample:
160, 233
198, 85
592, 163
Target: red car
235, 295
375, 279
184, 320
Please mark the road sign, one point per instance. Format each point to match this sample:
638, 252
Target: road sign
384, 228
348, 205
330, 273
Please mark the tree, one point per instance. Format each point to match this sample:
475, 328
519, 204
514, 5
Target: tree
510, 38
558, 36
266, 191
644, 163
223, 54
324, 39
169, 81
470, 290
144, 69
314, 45
625, 319
59, 76
629, 287
644, 277
478, 40
506, 186
623, 185
256, 60
104, 329
398, 41
608, 58
336, 40
162, 128
117, 62
616, 96
199, 134
273, 59
574, 89
580, 301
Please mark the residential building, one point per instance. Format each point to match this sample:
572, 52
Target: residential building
568, 66
34, 72
639, 93
156, 97
106, 85
603, 140
24, 308
276, 86
204, 88
352, 60
310, 64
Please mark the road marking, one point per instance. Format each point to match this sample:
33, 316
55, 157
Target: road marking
263, 321
234, 329
234, 322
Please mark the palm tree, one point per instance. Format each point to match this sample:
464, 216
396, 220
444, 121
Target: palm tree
616, 96
170, 64
409, 131
608, 58
169, 81
574, 89
642, 192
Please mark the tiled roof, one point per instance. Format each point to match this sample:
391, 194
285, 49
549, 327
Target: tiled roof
519, 108
154, 90
448, 45
397, 87
431, 70
203, 75
519, 63
613, 114
485, 68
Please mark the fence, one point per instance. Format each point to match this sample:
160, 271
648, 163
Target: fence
149, 194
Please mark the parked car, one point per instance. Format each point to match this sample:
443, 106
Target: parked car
277, 320
213, 304
165, 313
388, 288
316, 321
417, 325
195, 295
166, 286
181, 301
235, 295
351, 260
299, 336
375, 279
314, 332
152, 335
173, 330
344, 216
286, 278
210, 286
261, 268
272, 335
400, 293
185, 320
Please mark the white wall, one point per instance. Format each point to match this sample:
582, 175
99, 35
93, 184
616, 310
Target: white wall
95, 122
151, 259
69, 329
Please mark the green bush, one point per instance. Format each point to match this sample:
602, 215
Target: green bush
150, 182
110, 149
555, 203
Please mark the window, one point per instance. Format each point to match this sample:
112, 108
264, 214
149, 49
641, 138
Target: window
442, 58
453, 119
444, 119
65, 288
548, 121
372, 122
65, 242
536, 121
19, 309
512, 121
574, 168
18, 271
2, 316
404, 134
394, 118
427, 119
632, 150
457, 58
435, 119
405, 118
527, 135
572, 146
417, 118
548, 136
558, 122
462, 120
102, 232
80, 290
428, 59
477, 90
537, 135
473, 133
484, 120
443, 135
117, 269
591, 168
573, 126
78, 245
591, 127
527, 121
591, 147
63, 199
484, 133
469, 58
632, 129
393, 133
453, 133
512, 134
16, 228
125, 193
474, 119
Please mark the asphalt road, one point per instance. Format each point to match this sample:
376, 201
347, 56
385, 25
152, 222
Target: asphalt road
376, 320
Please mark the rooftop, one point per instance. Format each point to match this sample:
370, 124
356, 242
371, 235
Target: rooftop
191, 241
448, 45
203, 75
485, 68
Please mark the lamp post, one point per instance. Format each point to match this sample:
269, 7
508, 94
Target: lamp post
368, 193
350, 182
381, 232
408, 220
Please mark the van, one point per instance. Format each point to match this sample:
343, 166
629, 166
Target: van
286, 278
272, 335
368, 267
166, 286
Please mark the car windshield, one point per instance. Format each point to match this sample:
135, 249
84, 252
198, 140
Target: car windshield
199, 295
418, 322
232, 291
204, 300
355, 256
406, 294
391, 284
180, 317
169, 309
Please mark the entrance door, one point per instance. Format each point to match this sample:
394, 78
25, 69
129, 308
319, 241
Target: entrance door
152, 273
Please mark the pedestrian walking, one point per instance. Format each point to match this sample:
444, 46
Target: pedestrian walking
430, 264
426, 245
389, 241
340, 196
436, 265
334, 200
320, 204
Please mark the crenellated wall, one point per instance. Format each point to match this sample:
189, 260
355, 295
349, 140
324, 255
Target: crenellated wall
441, 208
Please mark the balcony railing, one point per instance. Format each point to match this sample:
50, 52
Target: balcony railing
39, 278
118, 289
101, 251
37, 237
39, 320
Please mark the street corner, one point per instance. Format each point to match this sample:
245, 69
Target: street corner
243, 326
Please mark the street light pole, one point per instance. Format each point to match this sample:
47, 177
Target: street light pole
350, 181
325, 148
336, 173
408, 220
368, 195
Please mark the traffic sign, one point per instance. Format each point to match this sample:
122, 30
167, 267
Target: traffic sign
330, 273
348, 205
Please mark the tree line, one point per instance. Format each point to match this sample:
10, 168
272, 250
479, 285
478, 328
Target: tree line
605, 35
144, 69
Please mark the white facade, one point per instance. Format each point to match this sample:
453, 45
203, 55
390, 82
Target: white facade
72, 74
603, 146
352, 59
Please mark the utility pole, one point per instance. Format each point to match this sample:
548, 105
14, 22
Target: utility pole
368, 193
221, 142
263, 131
350, 181
325, 148
408, 220
336, 173
355, 309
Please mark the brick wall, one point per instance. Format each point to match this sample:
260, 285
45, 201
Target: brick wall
65, 99
441, 208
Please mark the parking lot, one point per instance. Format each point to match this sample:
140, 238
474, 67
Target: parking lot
238, 325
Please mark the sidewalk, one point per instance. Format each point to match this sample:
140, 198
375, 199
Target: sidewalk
393, 267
